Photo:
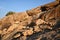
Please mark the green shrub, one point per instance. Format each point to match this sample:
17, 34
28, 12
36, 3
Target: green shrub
10, 13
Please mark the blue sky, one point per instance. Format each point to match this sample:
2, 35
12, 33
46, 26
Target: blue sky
19, 5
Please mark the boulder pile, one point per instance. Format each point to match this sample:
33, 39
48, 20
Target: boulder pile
40, 23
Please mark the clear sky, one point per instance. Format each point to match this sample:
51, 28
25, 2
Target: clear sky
19, 5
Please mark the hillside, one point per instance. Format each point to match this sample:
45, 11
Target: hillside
40, 23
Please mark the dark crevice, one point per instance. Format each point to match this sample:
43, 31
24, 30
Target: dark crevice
0, 37
33, 36
43, 8
57, 25
44, 38
32, 24
57, 38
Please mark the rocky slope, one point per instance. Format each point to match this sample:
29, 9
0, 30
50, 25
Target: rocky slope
40, 23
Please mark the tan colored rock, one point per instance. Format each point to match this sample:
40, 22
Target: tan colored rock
12, 27
17, 35
44, 26
6, 22
4, 31
0, 31
33, 11
43, 17
37, 29
9, 20
40, 21
26, 21
28, 32
23, 38
20, 16
0, 22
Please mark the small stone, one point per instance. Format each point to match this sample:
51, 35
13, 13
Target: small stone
27, 32
0, 32
37, 29
39, 21
17, 35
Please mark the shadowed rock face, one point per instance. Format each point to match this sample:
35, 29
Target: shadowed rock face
40, 23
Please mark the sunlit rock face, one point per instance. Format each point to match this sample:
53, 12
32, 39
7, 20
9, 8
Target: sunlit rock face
40, 23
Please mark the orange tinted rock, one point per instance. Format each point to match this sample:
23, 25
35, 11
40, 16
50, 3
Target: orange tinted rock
28, 32
17, 35
37, 29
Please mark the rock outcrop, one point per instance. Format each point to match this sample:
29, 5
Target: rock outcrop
41, 23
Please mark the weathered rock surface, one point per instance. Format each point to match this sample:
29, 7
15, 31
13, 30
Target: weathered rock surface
41, 23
